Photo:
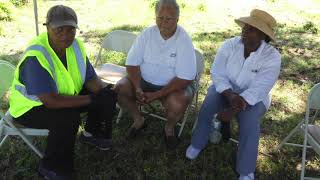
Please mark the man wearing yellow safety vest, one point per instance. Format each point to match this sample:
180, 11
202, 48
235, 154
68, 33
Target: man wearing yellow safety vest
48, 91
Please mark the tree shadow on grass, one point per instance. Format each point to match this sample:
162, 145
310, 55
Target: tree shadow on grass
286, 163
300, 51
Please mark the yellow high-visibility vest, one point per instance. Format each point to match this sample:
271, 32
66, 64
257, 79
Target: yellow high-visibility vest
68, 81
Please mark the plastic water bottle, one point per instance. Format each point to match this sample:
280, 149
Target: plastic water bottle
215, 131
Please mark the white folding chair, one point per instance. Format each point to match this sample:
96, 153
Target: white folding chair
311, 120
311, 132
7, 125
119, 41
200, 70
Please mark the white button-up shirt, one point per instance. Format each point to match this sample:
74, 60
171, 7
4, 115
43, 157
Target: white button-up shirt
252, 78
162, 60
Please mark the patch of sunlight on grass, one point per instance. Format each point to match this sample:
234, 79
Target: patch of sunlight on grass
289, 102
267, 143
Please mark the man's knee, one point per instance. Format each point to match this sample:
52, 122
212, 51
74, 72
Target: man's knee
177, 103
124, 87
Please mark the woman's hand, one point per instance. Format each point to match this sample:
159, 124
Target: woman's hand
238, 103
225, 115
235, 100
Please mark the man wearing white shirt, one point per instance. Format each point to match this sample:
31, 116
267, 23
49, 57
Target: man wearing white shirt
243, 73
161, 65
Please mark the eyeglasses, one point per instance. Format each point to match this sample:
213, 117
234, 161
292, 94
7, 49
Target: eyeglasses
161, 18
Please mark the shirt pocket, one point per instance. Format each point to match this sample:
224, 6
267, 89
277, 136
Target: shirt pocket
255, 68
252, 71
246, 76
171, 59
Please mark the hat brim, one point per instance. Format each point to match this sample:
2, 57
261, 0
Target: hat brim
63, 23
257, 24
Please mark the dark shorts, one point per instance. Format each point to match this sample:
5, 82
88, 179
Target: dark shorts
149, 87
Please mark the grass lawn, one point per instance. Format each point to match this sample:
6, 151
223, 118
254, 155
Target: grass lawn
209, 23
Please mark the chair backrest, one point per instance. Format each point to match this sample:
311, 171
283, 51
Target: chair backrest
313, 130
314, 98
200, 64
6, 74
117, 40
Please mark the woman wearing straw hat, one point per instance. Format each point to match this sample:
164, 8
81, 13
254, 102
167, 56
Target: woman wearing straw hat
243, 73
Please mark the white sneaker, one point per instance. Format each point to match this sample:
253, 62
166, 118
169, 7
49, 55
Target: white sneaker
192, 152
247, 177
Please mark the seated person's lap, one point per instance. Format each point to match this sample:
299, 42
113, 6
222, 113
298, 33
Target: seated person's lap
149, 87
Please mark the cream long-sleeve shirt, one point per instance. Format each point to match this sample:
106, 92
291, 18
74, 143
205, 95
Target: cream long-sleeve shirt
252, 78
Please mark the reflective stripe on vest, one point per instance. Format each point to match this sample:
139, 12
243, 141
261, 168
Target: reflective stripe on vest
80, 61
23, 91
76, 48
48, 57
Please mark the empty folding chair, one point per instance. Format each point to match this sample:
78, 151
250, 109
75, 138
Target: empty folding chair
311, 132
119, 41
297, 128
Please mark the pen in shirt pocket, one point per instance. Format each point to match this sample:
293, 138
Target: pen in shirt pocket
173, 54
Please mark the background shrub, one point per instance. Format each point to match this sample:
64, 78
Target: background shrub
19, 3
5, 12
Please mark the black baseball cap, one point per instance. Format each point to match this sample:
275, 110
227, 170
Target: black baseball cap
61, 15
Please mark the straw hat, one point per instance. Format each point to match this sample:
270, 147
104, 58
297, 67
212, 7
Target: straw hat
260, 20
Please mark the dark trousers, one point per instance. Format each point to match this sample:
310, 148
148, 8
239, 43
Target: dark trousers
63, 126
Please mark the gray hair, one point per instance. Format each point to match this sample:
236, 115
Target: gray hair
172, 3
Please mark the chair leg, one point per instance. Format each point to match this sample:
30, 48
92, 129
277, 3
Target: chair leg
196, 109
286, 139
25, 139
120, 114
35, 149
303, 163
195, 124
3, 140
197, 97
183, 121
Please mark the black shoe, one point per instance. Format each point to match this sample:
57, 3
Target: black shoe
133, 132
52, 175
100, 142
225, 131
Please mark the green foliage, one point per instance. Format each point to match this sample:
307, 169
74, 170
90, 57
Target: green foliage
5, 12
19, 3
183, 5
202, 7
153, 3
310, 27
